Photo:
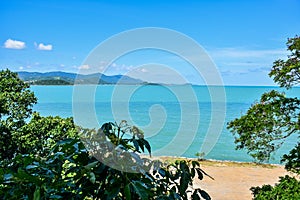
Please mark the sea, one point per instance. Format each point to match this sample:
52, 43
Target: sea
177, 120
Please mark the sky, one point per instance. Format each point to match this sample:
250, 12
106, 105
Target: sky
242, 38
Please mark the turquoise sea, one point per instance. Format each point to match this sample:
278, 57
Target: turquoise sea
176, 118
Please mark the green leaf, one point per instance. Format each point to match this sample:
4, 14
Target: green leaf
195, 195
205, 195
31, 167
37, 193
91, 165
136, 144
195, 163
55, 196
200, 174
22, 175
140, 190
147, 145
162, 172
127, 192
92, 177
112, 191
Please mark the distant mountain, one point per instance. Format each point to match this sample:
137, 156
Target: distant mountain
65, 78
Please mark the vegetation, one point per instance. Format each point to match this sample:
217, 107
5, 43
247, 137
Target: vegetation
51, 82
51, 158
267, 123
16, 102
65, 78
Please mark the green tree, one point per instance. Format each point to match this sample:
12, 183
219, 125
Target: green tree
40, 134
16, 101
267, 123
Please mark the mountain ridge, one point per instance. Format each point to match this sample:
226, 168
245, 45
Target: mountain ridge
69, 78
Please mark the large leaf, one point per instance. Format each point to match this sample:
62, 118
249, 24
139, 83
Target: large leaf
205, 195
127, 192
140, 190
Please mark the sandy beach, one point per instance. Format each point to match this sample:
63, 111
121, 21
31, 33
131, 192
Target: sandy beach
233, 180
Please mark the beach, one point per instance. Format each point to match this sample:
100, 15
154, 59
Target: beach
233, 180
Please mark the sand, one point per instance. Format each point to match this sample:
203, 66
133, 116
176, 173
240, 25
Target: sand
233, 180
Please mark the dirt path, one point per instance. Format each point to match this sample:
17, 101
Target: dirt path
233, 180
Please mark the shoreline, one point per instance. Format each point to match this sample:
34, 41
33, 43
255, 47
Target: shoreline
232, 180
217, 162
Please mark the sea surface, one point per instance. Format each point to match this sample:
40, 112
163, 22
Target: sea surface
177, 120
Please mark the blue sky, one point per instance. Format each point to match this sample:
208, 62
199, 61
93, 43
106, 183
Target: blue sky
243, 38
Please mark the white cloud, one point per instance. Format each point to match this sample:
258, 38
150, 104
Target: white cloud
144, 70
14, 44
84, 67
21, 68
43, 47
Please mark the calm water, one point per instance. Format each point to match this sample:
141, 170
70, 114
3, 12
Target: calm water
167, 114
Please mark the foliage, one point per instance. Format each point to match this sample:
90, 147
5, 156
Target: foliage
42, 133
287, 188
200, 155
70, 172
16, 102
287, 73
269, 122
266, 124
51, 82
292, 160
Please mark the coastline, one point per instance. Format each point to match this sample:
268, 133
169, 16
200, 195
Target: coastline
232, 179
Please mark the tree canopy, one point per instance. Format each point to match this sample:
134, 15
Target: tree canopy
268, 122
16, 101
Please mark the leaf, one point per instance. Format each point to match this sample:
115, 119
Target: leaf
141, 144
31, 167
140, 190
206, 174
91, 165
127, 192
7, 176
162, 172
55, 196
27, 177
37, 193
200, 174
205, 195
195, 163
112, 192
92, 177
195, 195
136, 145
147, 145
184, 183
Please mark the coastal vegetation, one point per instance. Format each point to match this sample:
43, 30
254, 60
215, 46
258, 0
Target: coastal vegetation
65, 78
268, 122
52, 158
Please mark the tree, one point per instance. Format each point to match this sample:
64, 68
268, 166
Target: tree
16, 101
40, 134
267, 123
